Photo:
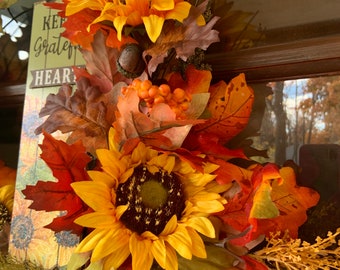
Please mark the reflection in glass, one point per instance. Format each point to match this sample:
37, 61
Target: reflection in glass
299, 112
301, 128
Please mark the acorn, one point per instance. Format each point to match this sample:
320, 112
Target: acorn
130, 61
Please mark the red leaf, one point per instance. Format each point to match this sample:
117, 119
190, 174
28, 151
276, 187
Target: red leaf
209, 144
68, 164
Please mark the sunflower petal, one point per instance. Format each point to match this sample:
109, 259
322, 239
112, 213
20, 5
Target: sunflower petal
163, 4
209, 206
76, 6
91, 240
164, 161
181, 241
180, 12
96, 195
159, 252
140, 250
113, 145
210, 167
119, 23
153, 26
98, 176
116, 259
111, 164
199, 179
100, 220
198, 247
100, 249
120, 210
171, 226
113, 242
171, 258
203, 225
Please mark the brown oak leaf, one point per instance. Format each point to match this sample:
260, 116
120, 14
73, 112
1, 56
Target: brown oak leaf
101, 68
88, 114
184, 38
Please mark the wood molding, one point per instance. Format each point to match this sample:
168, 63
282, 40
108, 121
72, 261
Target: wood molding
299, 59
12, 95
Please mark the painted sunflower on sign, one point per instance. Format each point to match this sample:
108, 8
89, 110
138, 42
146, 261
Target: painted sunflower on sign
149, 205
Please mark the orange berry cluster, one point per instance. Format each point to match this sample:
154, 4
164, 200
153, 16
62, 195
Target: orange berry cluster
178, 99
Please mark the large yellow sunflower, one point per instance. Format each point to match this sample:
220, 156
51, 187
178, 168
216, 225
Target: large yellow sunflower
149, 205
151, 13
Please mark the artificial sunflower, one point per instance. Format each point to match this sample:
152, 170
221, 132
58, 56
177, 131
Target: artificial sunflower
146, 204
151, 13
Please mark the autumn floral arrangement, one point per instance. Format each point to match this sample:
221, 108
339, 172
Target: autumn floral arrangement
144, 176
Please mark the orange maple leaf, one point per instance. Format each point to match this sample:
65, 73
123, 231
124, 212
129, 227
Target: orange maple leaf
230, 107
196, 81
250, 210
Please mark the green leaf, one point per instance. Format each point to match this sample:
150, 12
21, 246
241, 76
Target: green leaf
217, 259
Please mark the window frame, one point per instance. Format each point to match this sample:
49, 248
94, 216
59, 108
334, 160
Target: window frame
304, 58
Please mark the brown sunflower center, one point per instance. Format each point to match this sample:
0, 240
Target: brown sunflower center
5, 215
152, 200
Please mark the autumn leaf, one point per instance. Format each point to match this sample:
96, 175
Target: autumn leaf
159, 128
230, 107
196, 81
218, 258
209, 144
101, 64
68, 164
252, 212
244, 139
183, 38
292, 201
87, 113
263, 179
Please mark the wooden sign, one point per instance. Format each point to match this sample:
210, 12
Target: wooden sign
51, 58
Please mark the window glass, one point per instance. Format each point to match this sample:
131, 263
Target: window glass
300, 127
289, 20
